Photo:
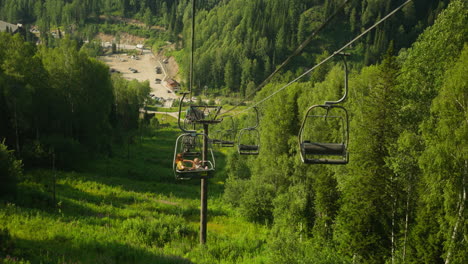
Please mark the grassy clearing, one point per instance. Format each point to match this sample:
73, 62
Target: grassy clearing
127, 208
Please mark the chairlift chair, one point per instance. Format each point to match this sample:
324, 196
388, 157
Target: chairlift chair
321, 146
189, 146
319, 150
249, 139
215, 137
193, 153
225, 137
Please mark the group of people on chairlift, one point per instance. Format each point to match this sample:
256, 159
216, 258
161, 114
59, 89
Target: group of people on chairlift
196, 164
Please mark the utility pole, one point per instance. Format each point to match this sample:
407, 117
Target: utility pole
204, 190
203, 174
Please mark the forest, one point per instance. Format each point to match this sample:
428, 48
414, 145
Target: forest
401, 198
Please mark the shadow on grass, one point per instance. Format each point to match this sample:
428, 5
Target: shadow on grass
74, 198
149, 169
73, 202
66, 249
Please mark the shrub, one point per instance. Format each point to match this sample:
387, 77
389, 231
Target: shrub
234, 190
10, 170
157, 232
68, 152
6, 243
35, 154
257, 203
154, 122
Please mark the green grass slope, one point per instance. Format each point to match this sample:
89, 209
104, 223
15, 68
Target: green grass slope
124, 209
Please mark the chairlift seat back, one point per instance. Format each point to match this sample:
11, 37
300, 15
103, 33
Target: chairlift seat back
248, 149
227, 143
337, 149
326, 161
191, 154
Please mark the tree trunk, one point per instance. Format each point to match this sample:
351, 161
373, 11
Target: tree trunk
393, 228
460, 215
406, 222
16, 129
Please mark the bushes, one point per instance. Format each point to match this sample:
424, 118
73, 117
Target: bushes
10, 170
6, 243
157, 232
256, 203
234, 190
68, 152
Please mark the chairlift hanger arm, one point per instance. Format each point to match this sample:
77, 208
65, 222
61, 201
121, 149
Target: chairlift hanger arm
180, 111
343, 56
257, 118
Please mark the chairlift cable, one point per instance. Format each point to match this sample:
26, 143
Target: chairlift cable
325, 60
295, 53
192, 50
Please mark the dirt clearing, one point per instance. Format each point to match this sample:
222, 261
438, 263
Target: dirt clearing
143, 68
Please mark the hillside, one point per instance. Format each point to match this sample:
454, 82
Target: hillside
378, 176
127, 208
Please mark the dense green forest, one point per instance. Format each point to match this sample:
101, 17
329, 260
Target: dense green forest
403, 196
237, 47
401, 199
82, 19
59, 99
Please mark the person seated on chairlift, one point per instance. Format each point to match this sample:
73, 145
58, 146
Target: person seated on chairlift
180, 163
196, 164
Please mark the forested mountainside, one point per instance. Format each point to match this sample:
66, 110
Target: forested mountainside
239, 43
73, 14
402, 198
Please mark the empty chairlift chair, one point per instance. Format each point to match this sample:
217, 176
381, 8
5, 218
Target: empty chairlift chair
249, 139
324, 133
225, 137
323, 137
190, 146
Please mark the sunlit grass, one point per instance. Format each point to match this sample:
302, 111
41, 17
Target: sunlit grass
126, 208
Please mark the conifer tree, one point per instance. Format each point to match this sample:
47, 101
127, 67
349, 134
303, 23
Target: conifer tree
363, 227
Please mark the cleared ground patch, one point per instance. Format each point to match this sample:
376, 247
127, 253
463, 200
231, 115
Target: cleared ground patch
142, 67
